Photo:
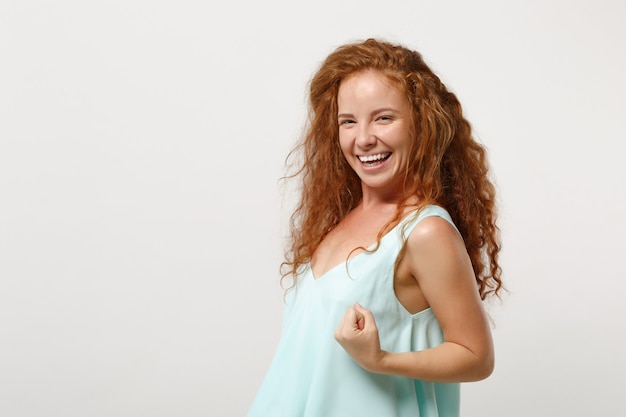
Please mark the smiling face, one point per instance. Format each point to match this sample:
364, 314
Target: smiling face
374, 132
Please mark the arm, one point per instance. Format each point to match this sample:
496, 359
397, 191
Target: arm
437, 259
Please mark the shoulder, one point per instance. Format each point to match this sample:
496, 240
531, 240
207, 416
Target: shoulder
432, 222
435, 240
433, 227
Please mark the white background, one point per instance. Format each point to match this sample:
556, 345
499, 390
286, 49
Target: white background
141, 223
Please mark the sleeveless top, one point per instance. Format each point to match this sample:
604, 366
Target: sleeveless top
311, 375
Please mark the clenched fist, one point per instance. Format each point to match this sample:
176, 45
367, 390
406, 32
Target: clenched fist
358, 335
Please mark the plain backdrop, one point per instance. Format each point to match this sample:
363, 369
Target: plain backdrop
142, 219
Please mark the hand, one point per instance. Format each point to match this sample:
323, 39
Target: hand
358, 335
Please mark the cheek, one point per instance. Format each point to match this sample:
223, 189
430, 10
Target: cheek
401, 139
345, 144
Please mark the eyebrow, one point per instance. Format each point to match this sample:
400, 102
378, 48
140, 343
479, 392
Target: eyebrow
377, 111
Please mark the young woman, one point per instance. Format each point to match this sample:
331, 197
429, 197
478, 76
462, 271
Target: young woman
394, 245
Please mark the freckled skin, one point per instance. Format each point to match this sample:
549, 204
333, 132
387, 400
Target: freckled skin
373, 119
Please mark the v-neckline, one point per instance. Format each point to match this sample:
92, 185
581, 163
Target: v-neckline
362, 252
343, 263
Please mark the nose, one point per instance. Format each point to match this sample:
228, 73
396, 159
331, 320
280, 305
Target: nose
365, 138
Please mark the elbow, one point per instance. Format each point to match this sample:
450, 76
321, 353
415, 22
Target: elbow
487, 368
484, 367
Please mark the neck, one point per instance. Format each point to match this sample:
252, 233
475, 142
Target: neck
385, 202
375, 198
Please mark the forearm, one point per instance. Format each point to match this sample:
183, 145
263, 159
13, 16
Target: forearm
451, 361
448, 362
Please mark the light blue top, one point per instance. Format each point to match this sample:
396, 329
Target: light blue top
311, 375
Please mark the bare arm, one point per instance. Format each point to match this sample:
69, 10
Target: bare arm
437, 259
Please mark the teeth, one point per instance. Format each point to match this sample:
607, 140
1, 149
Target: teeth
371, 158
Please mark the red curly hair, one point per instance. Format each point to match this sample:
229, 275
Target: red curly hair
449, 168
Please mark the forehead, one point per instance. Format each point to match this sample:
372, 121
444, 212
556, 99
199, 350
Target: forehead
366, 86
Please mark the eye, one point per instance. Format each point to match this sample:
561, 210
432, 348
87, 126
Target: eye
345, 122
385, 118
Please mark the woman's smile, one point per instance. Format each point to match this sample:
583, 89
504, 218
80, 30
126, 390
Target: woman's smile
374, 160
374, 133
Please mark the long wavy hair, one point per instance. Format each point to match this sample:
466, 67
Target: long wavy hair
449, 168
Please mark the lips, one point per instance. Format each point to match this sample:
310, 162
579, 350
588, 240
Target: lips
375, 159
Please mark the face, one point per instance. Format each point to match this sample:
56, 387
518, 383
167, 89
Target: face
374, 130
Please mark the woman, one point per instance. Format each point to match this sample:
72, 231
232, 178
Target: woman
394, 246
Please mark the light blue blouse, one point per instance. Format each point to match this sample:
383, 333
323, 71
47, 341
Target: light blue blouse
312, 376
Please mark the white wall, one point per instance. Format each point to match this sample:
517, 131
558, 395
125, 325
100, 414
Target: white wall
141, 223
